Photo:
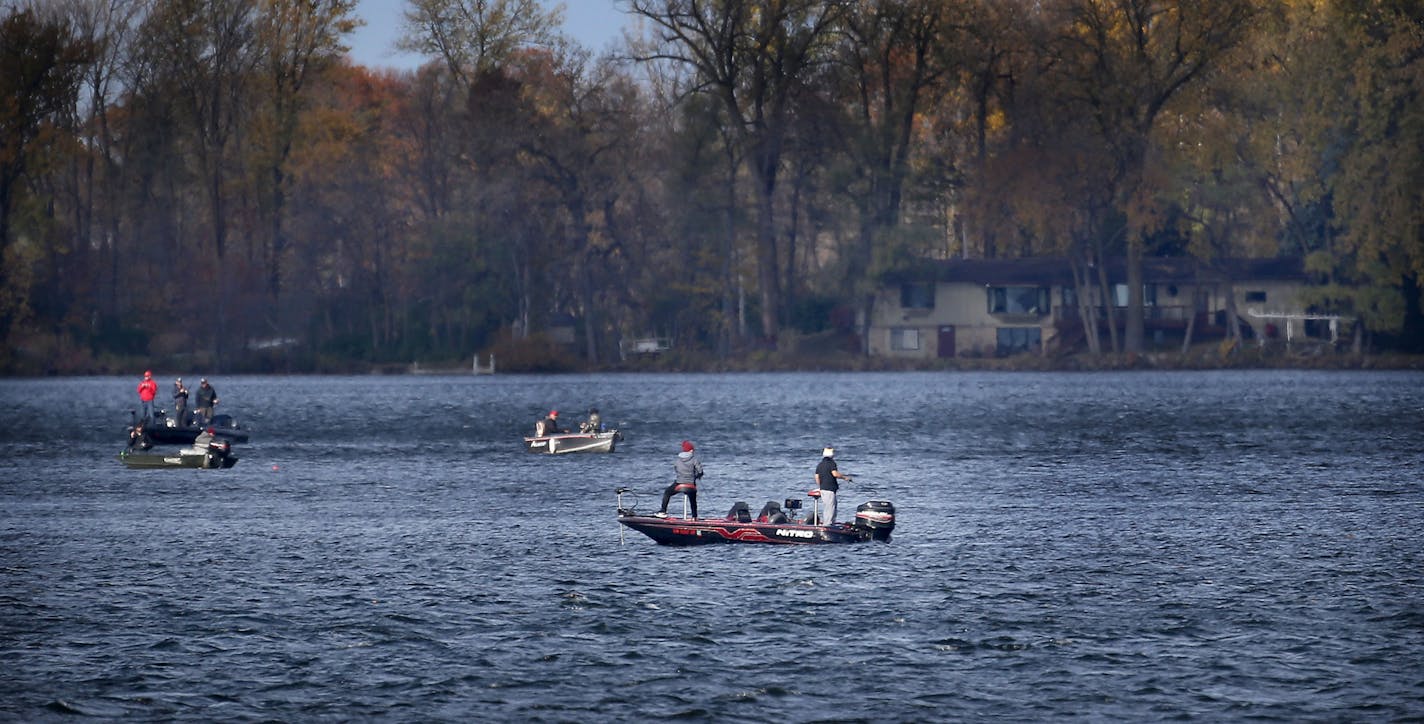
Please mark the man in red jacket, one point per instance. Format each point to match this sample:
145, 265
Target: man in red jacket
147, 390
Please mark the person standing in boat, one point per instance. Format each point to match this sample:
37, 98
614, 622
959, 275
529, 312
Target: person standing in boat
180, 403
548, 426
207, 400
826, 479
687, 470
147, 390
593, 424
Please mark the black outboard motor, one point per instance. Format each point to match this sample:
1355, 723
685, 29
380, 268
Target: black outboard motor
217, 454
878, 516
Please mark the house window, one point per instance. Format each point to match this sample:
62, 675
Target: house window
1149, 295
917, 295
1070, 297
1256, 296
904, 339
1018, 300
1016, 340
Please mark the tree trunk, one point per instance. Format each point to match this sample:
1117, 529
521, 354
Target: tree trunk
1086, 313
1134, 321
586, 292
1191, 319
768, 276
730, 336
590, 321
866, 310
792, 228
1233, 329
1109, 308
1411, 335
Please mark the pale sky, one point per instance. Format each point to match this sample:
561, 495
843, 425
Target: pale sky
594, 23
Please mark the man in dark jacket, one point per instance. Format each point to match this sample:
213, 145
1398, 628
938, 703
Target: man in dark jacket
180, 403
138, 438
207, 400
548, 425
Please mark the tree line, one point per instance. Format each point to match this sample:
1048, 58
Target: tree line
214, 181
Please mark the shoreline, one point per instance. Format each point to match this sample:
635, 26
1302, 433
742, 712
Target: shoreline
1200, 359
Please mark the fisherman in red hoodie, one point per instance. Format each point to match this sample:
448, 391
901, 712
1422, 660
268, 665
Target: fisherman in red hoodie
147, 390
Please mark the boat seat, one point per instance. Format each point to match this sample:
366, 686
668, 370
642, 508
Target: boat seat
769, 511
814, 494
740, 513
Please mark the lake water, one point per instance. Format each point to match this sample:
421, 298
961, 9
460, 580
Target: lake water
1103, 546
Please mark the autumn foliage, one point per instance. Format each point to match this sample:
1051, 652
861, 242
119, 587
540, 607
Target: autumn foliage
214, 183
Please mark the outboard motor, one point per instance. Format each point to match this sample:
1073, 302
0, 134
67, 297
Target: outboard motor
878, 516
217, 453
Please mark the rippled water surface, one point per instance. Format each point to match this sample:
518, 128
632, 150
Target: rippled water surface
1140, 546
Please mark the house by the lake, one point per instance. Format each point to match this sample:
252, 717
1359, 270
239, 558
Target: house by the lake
999, 307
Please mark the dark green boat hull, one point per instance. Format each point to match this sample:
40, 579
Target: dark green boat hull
176, 460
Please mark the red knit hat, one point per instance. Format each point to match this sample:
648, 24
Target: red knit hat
687, 446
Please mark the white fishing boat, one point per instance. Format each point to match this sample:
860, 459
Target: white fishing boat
574, 442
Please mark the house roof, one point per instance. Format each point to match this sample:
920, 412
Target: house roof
1048, 271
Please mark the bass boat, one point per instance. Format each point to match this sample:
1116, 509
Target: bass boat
574, 442
217, 455
874, 521
166, 430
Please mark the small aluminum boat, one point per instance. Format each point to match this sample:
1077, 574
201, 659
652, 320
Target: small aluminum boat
574, 442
